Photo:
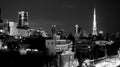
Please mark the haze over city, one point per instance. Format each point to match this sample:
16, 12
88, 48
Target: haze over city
65, 13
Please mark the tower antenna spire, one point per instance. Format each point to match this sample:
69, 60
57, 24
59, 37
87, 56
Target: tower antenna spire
94, 23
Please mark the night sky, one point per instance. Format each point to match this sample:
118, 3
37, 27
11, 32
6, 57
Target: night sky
65, 13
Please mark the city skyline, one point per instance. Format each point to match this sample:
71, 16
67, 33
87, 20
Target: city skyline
65, 14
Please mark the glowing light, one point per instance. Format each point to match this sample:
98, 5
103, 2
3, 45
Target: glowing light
113, 62
1, 30
5, 47
76, 28
101, 32
23, 51
94, 23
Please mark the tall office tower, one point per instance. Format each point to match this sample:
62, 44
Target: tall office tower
12, 28
77, 32
94, 24
22, 19
77, 29
53, 29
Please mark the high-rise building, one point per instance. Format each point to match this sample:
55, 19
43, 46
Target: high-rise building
94, 30
23, 25
53, 29
77, 32
12, 28
22, 19
77, 29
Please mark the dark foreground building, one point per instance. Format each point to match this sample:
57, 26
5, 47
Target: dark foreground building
14, 59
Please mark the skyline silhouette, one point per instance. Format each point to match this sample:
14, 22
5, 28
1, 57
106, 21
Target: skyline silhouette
65, 14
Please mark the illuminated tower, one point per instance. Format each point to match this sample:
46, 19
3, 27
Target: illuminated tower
77, 32
94, 23
77, 29
12, 28
22, 19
